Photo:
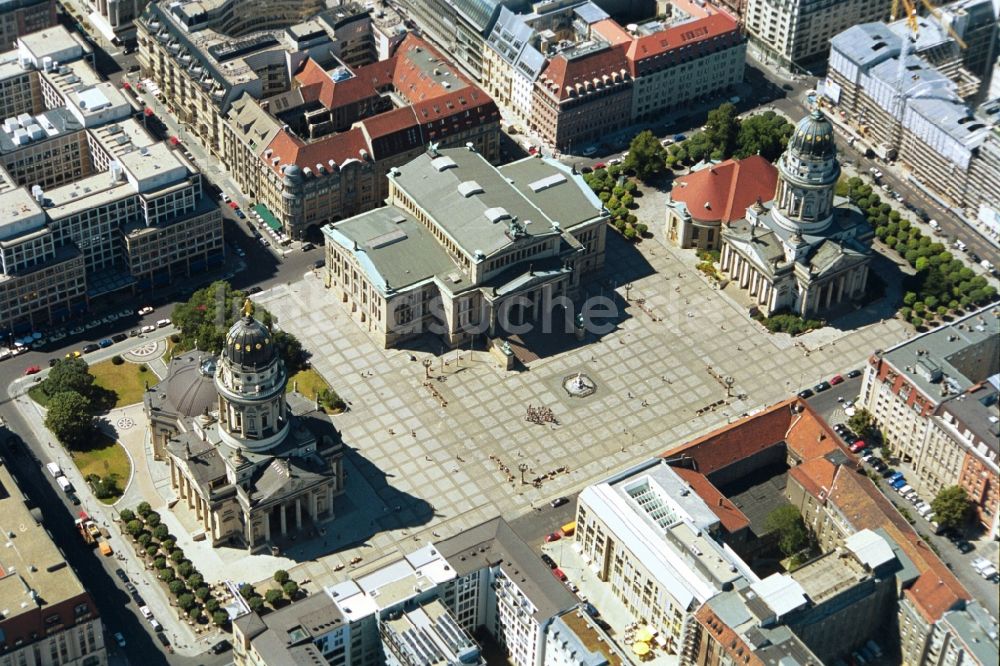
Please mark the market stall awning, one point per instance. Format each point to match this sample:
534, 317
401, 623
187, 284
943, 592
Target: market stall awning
267, 217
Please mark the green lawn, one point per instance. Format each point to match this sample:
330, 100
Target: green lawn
105, 457
309, 383
36, 394
126, 381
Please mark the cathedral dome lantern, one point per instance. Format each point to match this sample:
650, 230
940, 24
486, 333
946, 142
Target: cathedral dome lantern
248, 343
808, 171
250, 380
813, 137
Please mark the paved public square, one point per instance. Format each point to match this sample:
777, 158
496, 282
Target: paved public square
661, 375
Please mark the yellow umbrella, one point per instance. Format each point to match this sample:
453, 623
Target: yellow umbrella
640, 648
644, 635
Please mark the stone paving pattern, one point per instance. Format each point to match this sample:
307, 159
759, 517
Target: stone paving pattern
657, 374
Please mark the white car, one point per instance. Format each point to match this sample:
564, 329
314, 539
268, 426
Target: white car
145, 310
146, 613
161, 323
147, 329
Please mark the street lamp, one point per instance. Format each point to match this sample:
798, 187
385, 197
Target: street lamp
522, 468
427, 368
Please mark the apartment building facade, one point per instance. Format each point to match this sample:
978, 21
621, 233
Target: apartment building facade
22, 17
93, 204
305, 118
50, 617
798, 32
935, 399
573, 74
422, 608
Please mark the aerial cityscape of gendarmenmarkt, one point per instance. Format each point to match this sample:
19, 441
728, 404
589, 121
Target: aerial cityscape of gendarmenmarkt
500, 332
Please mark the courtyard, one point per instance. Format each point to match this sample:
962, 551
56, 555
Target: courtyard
434, 456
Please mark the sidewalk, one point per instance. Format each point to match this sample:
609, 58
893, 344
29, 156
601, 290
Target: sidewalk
128, 426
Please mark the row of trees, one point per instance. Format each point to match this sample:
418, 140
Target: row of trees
274, 596
943, 284
617, 193
153, 540
210, 312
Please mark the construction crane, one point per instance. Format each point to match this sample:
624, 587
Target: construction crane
911, 18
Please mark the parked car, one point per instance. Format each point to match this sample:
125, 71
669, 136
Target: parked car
32, 370
857, 446
162, 323
559, 501
319, 263
119, 337
822, 386
805, 393
105, 343
145, 310
254, 290
147, 329
119, 639
308, 246
90, 348
554, 536
221, 646
558, 573
836, 379
549, 562
964, 547
239, 213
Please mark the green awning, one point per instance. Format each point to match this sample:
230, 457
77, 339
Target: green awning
268, 217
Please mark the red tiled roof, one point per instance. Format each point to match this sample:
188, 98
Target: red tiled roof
610, 30
738, 651
340, 147
732, 443
809, 435
728, 189
394, 131
936, 590
684, 35
815, 475
809, 439
729, 514
567, 73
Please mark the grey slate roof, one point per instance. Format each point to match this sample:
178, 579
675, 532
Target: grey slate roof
400, 250
967, 351
494, 543
466, 219
867, 43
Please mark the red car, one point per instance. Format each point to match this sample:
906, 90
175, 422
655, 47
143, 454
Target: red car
555, 536
857, 446
599, 165
32, 369
836, 379
233, 205
558, 573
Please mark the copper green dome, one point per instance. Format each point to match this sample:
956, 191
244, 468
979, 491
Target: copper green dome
248, 343
813, 137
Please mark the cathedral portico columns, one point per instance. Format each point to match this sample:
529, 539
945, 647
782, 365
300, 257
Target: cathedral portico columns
267, 526
298, 514
284, 525
312, 506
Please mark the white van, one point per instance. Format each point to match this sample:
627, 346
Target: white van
933, 224
905, 490
64, 484
925, 510
54, 470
